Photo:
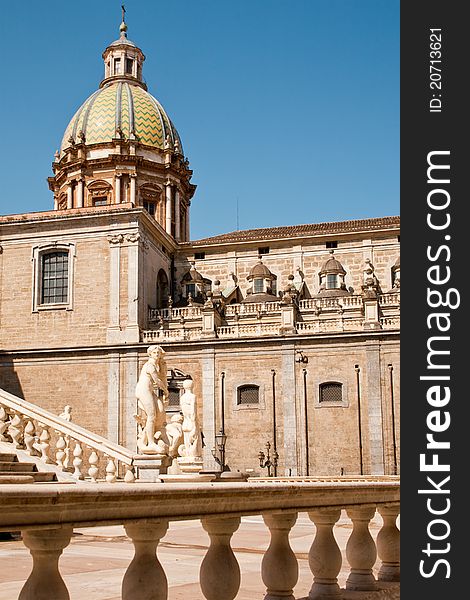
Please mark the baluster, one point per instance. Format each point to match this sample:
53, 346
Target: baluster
219, 575
45, 581
129, 477
93, 470
110, 470
279, 568
360, 550
44, 440
30, 438
60, 454
324, 557
67, 453
145, 578
78, 461
15, 430
4, 422
388, 544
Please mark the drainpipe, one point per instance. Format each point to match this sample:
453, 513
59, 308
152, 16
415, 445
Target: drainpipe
222, 403
304, 371
273, 372
392, 400
358, 388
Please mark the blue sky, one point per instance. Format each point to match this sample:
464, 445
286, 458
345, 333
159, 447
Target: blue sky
288, 109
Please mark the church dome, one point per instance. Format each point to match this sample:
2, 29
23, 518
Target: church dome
121, 109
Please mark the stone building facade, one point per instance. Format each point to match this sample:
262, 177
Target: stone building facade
291, 334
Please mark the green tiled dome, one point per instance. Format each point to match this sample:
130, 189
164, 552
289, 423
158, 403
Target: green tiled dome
121, 109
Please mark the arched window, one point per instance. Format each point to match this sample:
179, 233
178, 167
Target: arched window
331, 391
162, 289
248, 395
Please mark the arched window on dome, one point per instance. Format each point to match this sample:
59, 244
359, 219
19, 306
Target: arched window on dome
150, 199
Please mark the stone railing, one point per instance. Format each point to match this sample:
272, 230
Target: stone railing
46, 518
252, 308
168, 314
177, 334
390, 322
251, 330
56, 441
392, 299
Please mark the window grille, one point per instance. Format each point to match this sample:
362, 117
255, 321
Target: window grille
331, 282
331, 392
173, 397
248, 394
54, 278
258, 286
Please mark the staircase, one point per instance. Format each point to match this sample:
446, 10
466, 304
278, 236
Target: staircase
13, 470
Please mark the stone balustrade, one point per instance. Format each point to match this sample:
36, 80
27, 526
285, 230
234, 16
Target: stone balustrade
311, 316
75, 451
46, 517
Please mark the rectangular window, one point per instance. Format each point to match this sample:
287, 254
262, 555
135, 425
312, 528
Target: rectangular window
199, 255
331, 244
331, 392
117, 66
258, 286
191, 289
101, 201
54, 278
149, 207
129, 64
248, 394
173, 397
263, 250
331, 282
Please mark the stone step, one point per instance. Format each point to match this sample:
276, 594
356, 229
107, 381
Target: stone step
17, 466
8, 457
33, 476
14, 478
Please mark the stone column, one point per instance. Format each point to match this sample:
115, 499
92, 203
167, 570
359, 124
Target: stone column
187, 232
133, 188
208, 403
70, 195
360, 550
279, 568
177, 216
168, 211
80, 193
145, 578
56, 202
45, 581
289, 400
117, 189
132, 328
388, 544
220, 574
325, 556
374, 409
113, 398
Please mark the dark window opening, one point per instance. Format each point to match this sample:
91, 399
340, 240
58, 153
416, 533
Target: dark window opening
199, 255
150, 207
258, 286
331, 244
54, 278
117, 66
263, 250
129, 65
331, 392
101, 201
248, 395
191, 289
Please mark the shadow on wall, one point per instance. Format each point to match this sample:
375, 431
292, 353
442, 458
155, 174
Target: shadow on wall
9, 380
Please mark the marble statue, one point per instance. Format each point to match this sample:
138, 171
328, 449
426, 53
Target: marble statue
174, 432
151, 392
191, 430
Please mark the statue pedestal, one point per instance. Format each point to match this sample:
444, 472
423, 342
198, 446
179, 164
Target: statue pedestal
149, 467
190, 464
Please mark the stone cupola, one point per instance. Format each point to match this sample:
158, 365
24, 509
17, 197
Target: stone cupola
332, 276
121, 148
262, 284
